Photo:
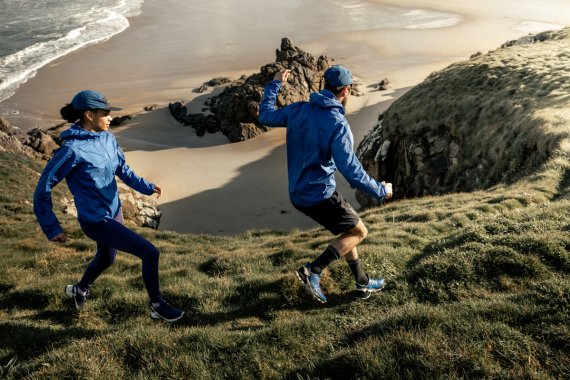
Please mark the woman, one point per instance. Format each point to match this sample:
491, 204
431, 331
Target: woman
89, 159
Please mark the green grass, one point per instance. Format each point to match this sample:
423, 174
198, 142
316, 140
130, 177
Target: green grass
478, 286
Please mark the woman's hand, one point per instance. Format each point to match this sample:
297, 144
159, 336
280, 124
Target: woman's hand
158, 190
61, 238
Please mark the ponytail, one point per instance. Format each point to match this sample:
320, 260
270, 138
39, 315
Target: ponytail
70, 114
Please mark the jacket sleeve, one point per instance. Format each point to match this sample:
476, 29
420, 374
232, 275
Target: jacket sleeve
128, 176
348, 164
268, 113
55, 171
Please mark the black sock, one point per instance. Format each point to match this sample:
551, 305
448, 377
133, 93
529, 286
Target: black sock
328, 256
356, 269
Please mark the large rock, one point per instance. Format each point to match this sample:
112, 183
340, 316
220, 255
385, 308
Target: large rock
200, 122
12, 141
235, 110
40, 141
140, 209
474, 124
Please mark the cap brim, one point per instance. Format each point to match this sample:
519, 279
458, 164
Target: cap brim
112, 109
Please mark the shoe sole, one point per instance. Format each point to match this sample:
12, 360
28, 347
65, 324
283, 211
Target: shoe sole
309, 289
366, 293
155, 315
302, 277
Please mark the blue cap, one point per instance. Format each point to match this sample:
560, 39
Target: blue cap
91, 100
338, 76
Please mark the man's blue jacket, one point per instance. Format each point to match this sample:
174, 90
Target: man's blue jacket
89, 162
319, 141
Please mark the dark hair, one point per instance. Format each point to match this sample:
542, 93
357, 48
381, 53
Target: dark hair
70, 114
334, 89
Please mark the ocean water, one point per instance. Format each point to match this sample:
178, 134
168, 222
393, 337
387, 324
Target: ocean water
355, 15
35, 32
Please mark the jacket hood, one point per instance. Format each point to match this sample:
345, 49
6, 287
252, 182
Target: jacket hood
325, 99
78, 133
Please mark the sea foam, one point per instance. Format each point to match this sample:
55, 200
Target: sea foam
94, 24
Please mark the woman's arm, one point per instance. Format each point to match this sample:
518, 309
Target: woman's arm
54, 172
128, 176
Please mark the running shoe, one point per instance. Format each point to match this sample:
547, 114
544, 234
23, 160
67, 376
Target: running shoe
311, 281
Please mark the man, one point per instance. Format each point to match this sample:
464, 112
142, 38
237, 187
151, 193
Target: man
319, 142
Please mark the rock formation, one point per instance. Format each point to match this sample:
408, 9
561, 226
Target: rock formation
235, 110
477, 123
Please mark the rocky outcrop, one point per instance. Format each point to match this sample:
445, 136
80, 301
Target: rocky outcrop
235, 110
202, 123
477, 123
120, 120
530, 39
41, 141
35, 144
136, 207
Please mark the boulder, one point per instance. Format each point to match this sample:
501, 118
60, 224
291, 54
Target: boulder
201, 89
120, 120
200, 122
236, 108
41, 142
218, 81
383, 84
150, 107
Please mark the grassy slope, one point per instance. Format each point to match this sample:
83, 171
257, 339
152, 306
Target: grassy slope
478, 285
507, 110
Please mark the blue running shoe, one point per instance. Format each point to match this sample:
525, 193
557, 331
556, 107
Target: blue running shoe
311, 281
374, 285
166, 312
71, 291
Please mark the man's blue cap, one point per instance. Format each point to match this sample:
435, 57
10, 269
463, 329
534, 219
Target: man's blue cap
338, 76
91, 100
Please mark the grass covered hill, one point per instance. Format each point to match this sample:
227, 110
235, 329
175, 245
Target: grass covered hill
491, 119
478, 286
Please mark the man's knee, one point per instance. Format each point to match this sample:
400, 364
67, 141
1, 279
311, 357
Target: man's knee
360, 230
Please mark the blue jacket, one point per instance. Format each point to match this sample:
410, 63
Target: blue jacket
89, 162
319, 141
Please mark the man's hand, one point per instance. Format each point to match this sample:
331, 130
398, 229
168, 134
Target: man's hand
389, 191
158, 191
61, 238
282, 76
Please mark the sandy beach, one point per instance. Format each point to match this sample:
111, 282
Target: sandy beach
212, 186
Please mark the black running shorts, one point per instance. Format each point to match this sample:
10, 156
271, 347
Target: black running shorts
334, 213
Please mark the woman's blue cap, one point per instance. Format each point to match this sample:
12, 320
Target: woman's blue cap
338, 76
91, 100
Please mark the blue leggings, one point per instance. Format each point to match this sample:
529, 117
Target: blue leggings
111, 235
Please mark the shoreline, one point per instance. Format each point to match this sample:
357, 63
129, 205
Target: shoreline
246, 183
